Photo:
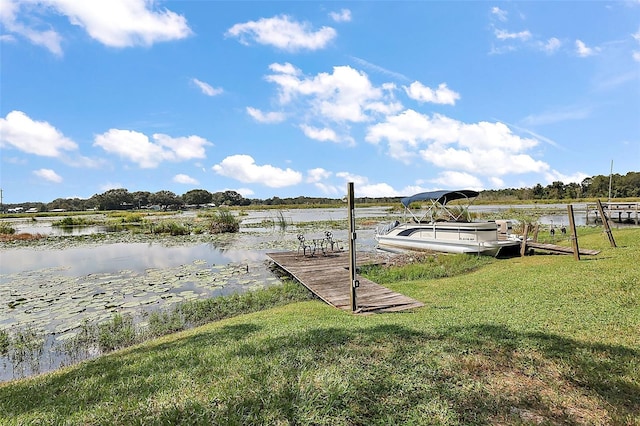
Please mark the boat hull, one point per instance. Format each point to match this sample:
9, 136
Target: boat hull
448, 237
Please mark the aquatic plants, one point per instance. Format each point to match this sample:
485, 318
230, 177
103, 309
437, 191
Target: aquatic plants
6, 229
24, 348
169, 227
223, 221
4, 342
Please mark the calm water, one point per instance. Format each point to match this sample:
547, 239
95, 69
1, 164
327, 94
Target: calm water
59, 287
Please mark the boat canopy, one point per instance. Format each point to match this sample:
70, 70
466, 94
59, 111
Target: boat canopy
440, 197
438, 200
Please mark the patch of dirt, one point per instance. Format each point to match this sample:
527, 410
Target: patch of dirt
21, 237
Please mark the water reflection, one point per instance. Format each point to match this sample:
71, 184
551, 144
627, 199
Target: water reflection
118, 256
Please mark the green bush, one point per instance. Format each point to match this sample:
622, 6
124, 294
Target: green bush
6, 229
223, 221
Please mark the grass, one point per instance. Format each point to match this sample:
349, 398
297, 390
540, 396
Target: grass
535, 340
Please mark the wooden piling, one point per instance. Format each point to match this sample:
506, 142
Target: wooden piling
605, 223
574, 234
523, 244
352, 247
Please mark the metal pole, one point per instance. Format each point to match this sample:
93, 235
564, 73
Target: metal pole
352, 247
610, 177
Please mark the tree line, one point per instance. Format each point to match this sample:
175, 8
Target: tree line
622, 186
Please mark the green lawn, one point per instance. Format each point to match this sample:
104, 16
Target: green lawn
536, 340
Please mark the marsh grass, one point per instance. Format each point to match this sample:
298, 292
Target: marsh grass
6, 229
71, 221
533, 340
223, 221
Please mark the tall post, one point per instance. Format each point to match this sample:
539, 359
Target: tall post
523, 243
574, 234
605, 223
352, 247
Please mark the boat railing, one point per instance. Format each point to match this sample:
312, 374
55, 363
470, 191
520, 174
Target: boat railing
386, 228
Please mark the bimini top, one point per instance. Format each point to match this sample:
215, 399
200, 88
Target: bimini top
440, 197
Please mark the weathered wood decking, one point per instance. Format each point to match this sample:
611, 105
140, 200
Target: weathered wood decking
328, 278
554, 248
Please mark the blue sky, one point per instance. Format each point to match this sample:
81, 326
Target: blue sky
298, 98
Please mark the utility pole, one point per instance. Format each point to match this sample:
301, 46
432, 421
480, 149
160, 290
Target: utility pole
610, 177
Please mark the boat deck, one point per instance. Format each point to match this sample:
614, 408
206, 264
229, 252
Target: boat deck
327, 276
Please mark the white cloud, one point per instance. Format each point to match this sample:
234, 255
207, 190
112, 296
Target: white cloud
318, 174
285, 68
343, 96
499, 13
323, 135
283, 33
114, 23
186, 179
48, 38
33, 137
48, 175
363, 188
136, 147
343, 16
554, 176
505, 35
496, 182
558, 115
453, 179
584, 51
636, 56
551, 46
441, 95
318, 177
124, 23
244, 169
206, 88
268, 117
110, 185
483, 148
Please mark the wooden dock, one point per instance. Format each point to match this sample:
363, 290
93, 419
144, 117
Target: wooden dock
554, 248
616, 211
327, 276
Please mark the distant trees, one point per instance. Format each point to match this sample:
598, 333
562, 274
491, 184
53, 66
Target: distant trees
165, 199
622, 186
591, 187
197, 197
114, 199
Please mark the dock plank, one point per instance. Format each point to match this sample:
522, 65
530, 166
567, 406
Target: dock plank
560, 249
328, 278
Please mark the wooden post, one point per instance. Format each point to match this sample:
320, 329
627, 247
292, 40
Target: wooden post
605, 222
574, 234
523, 244
352, 247
536, 229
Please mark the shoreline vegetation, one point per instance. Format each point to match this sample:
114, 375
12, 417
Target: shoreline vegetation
620, 187
540, 339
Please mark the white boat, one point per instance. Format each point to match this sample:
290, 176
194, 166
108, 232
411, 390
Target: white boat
447, 229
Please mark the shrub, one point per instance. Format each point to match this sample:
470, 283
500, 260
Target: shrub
6, 229
223, 221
